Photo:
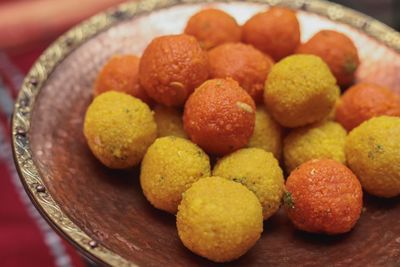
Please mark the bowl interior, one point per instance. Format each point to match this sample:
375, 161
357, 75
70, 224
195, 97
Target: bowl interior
109, 205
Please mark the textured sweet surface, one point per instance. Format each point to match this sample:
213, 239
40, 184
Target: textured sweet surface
337, 50
119, 128
171, 165
120, 73
219, 219
267, 133
243, 63
300, 90
219, 116
364, 101
321, 140
373, 153
213, 27
169, 121
323, 196
259, 171
171, 67
276, 32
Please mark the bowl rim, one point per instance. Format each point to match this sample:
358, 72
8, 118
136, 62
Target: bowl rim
64, 45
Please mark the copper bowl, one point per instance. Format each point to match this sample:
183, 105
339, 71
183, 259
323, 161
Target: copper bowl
103, 212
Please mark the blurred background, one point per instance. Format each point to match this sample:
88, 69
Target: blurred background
27, 27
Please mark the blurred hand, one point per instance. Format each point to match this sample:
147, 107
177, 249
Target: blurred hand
26, 23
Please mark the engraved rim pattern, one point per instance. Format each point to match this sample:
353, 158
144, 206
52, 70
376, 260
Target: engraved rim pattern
45, 65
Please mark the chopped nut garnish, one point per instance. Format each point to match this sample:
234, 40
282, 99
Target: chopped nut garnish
177, 85
245, 107
97, 141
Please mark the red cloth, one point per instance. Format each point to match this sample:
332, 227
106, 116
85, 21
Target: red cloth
25, 238
25, 61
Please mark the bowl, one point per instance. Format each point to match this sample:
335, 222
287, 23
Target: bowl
104, 213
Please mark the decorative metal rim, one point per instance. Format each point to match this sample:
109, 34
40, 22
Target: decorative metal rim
64, 45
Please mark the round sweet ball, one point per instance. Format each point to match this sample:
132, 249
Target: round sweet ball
259, 171
324, 140
213, 27
267, 133
170, 166
171, 67
323, 196
337, 50
373, 154
300, 90
219, 219
169, 121
119, 128
243, 63
219, 116
275, 32
121, 73
364, 101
